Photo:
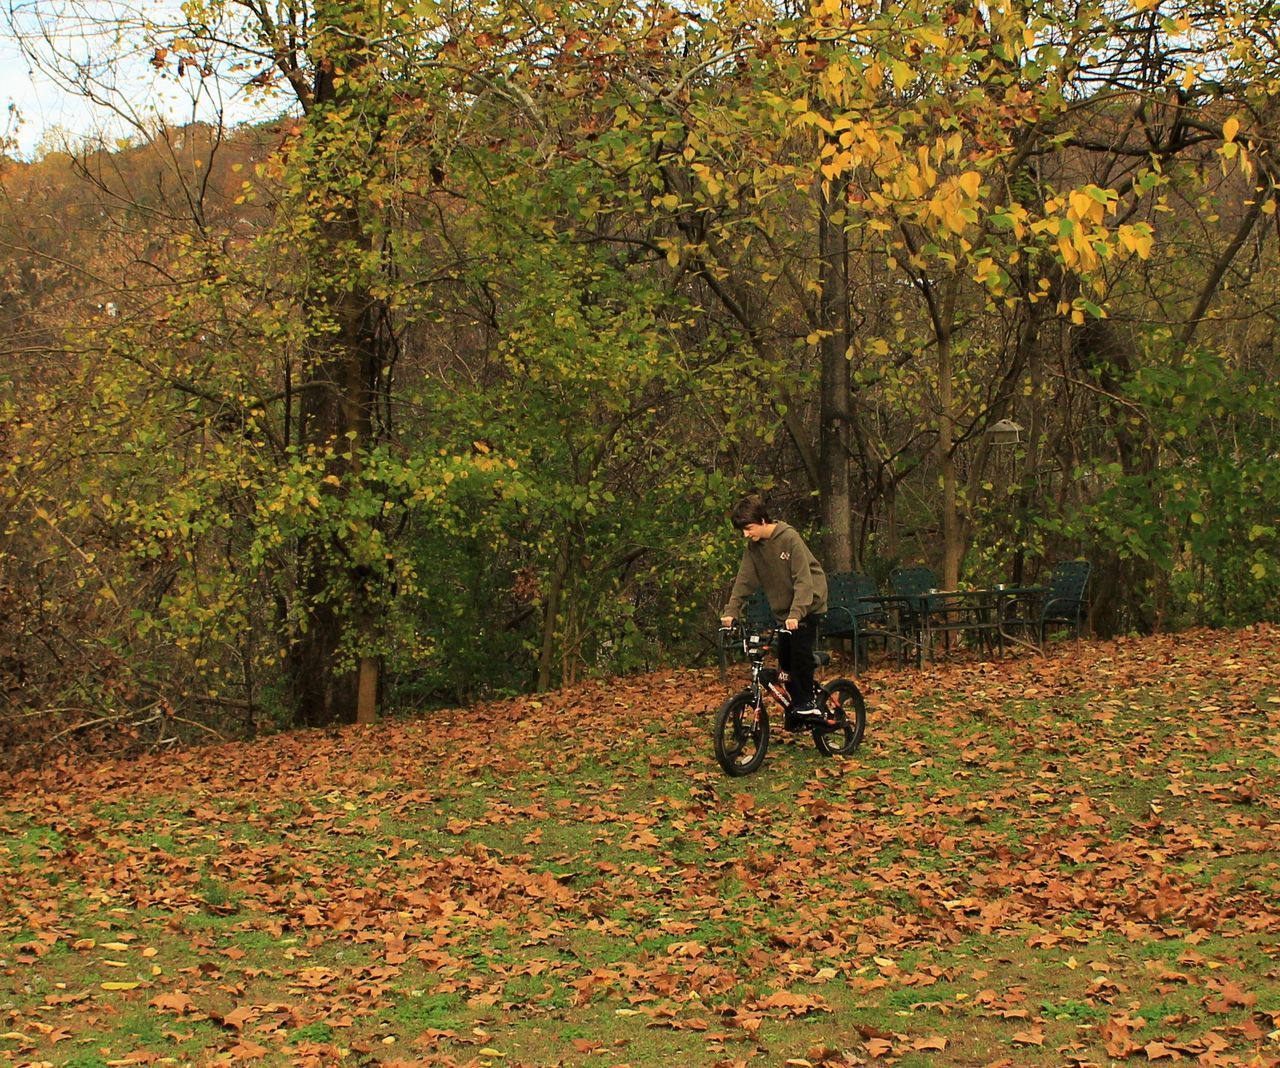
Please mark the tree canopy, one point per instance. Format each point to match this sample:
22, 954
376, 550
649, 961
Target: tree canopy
440, 385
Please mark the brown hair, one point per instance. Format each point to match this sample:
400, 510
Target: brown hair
751, 509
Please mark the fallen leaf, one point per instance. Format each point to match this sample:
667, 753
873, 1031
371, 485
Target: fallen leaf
176, 1002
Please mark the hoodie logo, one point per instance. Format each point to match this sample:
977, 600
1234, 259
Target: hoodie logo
784, 556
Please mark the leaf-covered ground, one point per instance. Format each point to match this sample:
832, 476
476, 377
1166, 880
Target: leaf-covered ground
1071, 860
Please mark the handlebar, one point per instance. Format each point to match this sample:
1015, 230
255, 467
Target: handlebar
750, 638
739, 628
753, 649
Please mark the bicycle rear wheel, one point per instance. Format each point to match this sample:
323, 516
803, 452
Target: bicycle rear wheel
741, 735
844, 704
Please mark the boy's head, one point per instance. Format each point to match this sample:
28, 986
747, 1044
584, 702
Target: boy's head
750, 511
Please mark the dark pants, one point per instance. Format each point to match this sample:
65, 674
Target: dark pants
796, 658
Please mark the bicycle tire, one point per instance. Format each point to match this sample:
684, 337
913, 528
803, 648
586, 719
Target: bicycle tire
844, 698
741, 735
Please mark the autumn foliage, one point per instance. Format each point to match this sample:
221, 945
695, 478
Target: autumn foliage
439, 388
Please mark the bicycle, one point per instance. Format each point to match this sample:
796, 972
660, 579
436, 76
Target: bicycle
741, 735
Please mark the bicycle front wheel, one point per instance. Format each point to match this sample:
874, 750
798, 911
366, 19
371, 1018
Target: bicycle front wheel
845, 705
741, 735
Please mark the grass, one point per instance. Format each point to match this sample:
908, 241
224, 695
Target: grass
1047, 861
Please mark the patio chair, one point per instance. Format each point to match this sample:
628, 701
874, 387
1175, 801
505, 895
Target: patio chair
912, 586
756, 613
1065, 598
756, 617
855, 610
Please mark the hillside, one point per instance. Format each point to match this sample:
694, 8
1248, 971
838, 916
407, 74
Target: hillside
1068, 860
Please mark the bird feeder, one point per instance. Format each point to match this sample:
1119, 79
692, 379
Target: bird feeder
1005, 432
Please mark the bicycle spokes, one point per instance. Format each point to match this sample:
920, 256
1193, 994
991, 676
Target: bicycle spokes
741, 735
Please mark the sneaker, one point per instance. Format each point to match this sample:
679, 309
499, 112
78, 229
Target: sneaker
807, 712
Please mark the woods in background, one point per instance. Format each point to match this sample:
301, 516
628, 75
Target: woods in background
440, 387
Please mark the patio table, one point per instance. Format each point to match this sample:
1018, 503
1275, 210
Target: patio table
1006, 600
946, 612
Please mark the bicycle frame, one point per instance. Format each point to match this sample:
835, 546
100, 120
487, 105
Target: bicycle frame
769, 680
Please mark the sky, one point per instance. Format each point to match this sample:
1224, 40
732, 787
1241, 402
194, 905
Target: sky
40, 104
48, 112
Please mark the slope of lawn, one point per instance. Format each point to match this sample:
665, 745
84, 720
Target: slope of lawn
1032, 861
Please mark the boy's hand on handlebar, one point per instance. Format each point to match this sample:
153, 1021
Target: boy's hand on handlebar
793, 624
726, 622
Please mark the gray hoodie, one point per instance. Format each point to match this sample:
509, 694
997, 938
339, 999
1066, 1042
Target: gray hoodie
790, 575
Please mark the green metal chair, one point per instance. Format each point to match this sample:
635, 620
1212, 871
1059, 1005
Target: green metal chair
756, 617
855, 610
916, 581
1066, 597
912, 585
756, 613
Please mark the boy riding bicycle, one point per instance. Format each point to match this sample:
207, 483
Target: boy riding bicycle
777, 560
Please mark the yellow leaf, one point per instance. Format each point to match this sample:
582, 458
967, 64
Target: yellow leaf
971, 183
1230, 128
1082, 206
926, 169
954, 220
1137, 240
120, 986
1259, 571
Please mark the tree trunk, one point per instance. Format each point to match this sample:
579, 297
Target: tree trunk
1118, 595
552, 610
833, 321
321, 694
954, 527
339, 395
